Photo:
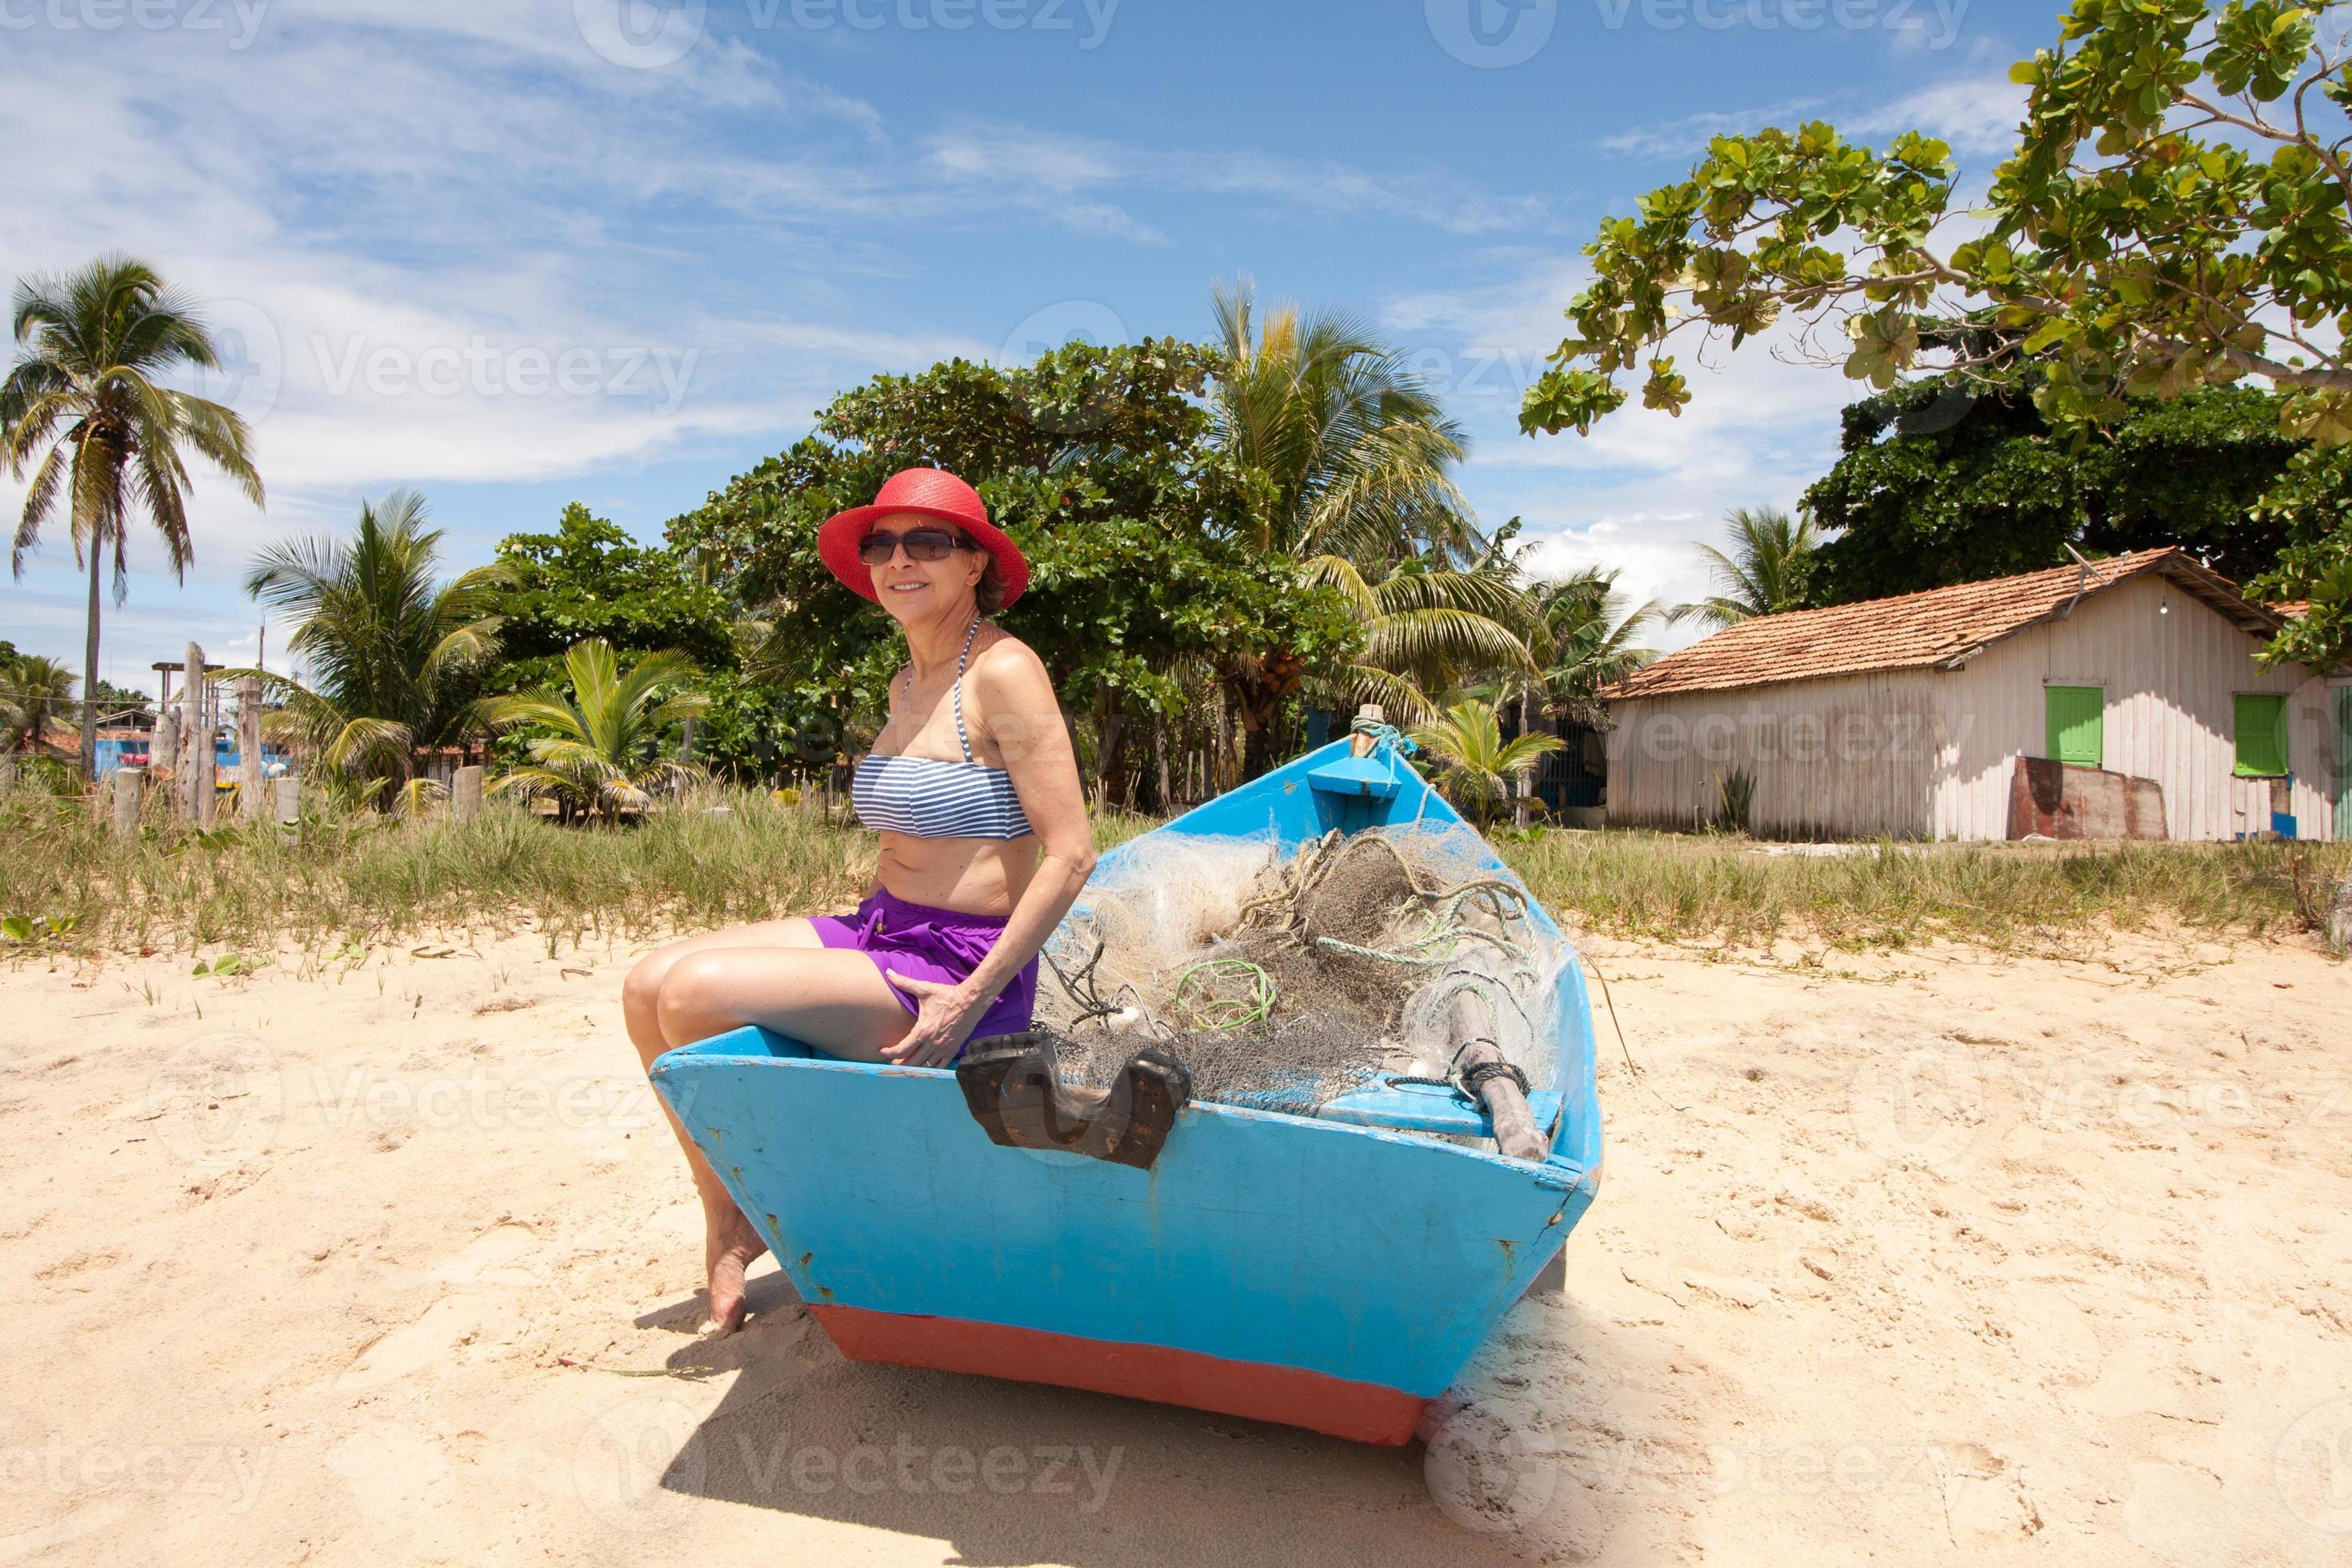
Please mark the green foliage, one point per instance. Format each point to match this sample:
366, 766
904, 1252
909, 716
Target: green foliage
2313, 502
396, 658
590, 579
1097, 462
1942, 483
1480, 768
1586, 632
94, 348
2174, 216
1768, 571
36, 693
1426, 628
597, 748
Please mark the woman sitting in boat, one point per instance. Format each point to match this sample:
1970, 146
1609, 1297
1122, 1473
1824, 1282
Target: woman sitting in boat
985, 842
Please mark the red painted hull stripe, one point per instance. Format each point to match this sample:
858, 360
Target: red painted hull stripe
1361, 1412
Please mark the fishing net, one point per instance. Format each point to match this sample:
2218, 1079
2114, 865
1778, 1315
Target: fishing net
1284, 981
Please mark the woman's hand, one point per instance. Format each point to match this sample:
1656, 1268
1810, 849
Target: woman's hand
945, 1017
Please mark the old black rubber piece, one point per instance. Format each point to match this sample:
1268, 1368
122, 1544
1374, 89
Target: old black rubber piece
1013, 1085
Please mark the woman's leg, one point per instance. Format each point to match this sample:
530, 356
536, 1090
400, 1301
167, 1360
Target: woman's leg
833, 998
729, 1244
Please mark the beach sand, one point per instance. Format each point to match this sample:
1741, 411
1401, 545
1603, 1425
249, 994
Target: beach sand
1903, 1258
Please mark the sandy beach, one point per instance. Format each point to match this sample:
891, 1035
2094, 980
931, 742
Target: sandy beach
388, 1257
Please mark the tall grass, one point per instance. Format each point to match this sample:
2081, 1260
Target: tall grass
721, 857
1719, 887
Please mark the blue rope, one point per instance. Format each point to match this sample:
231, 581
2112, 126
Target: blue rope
1384, 733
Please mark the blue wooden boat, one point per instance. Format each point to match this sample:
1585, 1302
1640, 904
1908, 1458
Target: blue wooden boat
1333, 1271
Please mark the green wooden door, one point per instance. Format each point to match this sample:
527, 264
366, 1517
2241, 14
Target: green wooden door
2077, 724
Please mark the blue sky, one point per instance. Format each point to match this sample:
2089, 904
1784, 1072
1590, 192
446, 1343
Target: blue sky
617, 251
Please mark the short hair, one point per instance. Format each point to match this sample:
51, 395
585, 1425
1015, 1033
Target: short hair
988, 594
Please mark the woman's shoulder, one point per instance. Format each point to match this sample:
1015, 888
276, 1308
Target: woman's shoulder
1008, 662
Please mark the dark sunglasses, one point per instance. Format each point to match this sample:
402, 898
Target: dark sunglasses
922, 544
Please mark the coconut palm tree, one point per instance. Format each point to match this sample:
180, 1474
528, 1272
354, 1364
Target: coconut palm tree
1480, 769
91, 346
1767, 571
1425, 628
32, 689
1358, 459
1359, 453
396, 658
1587, 639
604, 754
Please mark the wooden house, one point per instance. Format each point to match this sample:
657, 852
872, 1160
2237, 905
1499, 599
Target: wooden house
2121, 699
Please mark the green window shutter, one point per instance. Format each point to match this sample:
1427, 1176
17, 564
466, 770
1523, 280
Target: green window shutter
2077, 717
2262, 735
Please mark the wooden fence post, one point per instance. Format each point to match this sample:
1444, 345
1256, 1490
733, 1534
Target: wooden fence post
129, 793
465, 793
195, 780
288, 791
252, 778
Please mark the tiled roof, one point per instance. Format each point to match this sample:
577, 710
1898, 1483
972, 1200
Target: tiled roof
1939, 626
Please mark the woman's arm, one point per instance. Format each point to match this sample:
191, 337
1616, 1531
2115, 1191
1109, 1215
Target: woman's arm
1024, 720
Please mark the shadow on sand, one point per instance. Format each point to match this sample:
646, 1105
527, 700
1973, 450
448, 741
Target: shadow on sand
1008, 1473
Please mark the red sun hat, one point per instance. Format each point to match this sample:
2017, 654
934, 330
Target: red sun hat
933, 492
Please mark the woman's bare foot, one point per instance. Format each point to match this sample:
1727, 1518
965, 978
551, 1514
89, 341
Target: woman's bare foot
730, 1248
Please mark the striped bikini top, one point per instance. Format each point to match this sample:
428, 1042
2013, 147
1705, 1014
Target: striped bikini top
929, 798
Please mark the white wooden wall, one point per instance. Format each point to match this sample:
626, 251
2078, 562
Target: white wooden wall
1924, 753
2170, 676
1854, 757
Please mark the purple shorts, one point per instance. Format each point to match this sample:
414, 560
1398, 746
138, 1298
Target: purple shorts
945, 945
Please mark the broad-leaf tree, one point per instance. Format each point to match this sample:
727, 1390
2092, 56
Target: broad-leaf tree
86, 406
2177, 213
1098, 462
1942, 483
590, 579
396, 656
